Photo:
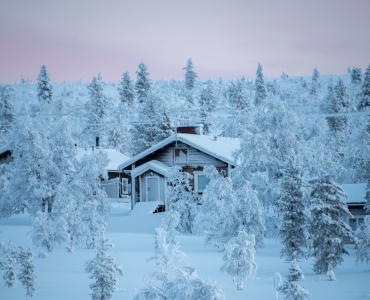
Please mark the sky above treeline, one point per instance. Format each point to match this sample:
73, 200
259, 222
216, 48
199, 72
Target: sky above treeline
77, 39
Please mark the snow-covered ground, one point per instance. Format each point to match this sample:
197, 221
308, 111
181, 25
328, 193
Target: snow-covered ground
62, 276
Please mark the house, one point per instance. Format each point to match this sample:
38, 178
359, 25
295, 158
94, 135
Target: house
356, 202
189, 149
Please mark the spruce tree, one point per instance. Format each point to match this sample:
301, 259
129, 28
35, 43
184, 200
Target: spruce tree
126, 89
190, 75
356, 76
97, 108
365, 90
328, 227
7, 98
290, 288
44, 88
291, 207
339, 104
157, 123
207, 99
238, 95
261, 94
143, 83
315, 82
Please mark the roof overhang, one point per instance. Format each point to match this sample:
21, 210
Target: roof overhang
153, 165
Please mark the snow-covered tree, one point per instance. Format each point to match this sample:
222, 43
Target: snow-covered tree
226, 210
216, 216
169, 224
103, 271
291, 288
168, 281
207, 100
315, 82
181, 198
143, 83
32, 173
126, 89
292, 211
365, 90
265, 144
261, 93
238, 260
7, 99
44, 88
27, 275
97, 108
363, 242
328, 228
238, 96
356, 76
157, 123
9, 255
190, 77
48, 233
339, 104
118, 136
166, 257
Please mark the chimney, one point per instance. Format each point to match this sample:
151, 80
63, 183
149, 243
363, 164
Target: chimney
190, 129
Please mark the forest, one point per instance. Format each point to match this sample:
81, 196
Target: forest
301, 138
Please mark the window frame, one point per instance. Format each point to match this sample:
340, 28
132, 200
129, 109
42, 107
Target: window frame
196, 176
180, 162
124, 179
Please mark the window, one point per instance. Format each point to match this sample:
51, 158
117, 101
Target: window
124, 186
200, 181
355, 222
181, 156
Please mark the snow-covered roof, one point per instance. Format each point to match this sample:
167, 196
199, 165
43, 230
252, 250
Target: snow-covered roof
356, 192
115, 157
153, 165
222, 148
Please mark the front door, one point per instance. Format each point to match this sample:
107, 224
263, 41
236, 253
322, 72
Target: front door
152, 189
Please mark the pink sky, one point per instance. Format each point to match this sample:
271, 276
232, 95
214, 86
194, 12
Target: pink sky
79, 38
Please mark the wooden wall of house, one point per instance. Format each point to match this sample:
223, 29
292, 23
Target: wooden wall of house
143, 186
196, 158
